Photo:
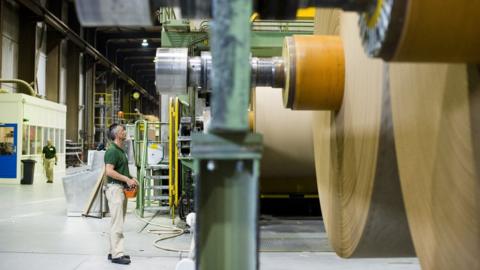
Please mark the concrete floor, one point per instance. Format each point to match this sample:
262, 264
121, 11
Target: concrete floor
36, 234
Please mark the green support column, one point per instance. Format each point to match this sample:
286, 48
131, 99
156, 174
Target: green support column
230, 43
227, 160
227, 201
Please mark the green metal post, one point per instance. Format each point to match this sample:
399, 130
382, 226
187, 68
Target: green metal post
141, 141
227, 161
230, 43
227, 201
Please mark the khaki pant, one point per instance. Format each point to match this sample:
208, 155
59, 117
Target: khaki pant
49, 164
118, 208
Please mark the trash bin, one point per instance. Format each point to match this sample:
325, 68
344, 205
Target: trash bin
28, 171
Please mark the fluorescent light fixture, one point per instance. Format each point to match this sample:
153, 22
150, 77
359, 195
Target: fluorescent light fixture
144, 43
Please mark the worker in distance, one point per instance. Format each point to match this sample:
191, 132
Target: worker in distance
49, 160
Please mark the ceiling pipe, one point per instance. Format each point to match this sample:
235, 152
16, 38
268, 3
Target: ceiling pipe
27, 86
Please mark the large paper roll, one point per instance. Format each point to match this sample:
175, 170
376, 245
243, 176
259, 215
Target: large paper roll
287, 164
436, 113
355, 158
446, 30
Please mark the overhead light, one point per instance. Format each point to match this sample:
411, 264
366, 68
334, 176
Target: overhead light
144, 43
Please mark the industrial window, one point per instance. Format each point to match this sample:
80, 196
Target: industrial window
57, 140
38, 141
62, 139
6, 141
25, 140
45, 137
35, 138
32, 141
51, 135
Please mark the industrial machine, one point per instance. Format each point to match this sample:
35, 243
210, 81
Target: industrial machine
184, 123
177, 72
304, 87
163, 161
372, 116
393, 30
406, 31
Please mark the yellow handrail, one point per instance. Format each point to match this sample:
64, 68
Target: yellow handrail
177, 113
171, 113
174, 114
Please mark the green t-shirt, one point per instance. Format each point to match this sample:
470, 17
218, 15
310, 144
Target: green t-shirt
117, 157
49, 151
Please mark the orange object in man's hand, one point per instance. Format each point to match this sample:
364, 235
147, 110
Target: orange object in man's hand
131, 192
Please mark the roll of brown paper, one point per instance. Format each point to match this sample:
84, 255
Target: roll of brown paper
287, 164
436, 113
437, 31
355, 157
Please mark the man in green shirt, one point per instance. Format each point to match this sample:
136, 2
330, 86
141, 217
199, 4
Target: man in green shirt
49, 159
118, 177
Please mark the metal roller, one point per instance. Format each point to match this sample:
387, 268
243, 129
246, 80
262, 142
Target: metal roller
311, 72
268, 72
171, 65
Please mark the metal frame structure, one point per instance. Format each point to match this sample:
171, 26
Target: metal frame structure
147, 185
105, 111
177, 110
227, 160
266, 35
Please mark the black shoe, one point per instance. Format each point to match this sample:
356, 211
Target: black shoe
121, 260
50, 182
109, 257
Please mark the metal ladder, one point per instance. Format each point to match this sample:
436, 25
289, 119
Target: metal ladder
156, 186
154, 180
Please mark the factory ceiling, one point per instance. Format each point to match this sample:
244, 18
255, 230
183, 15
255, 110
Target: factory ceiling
123, 46
130, 49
